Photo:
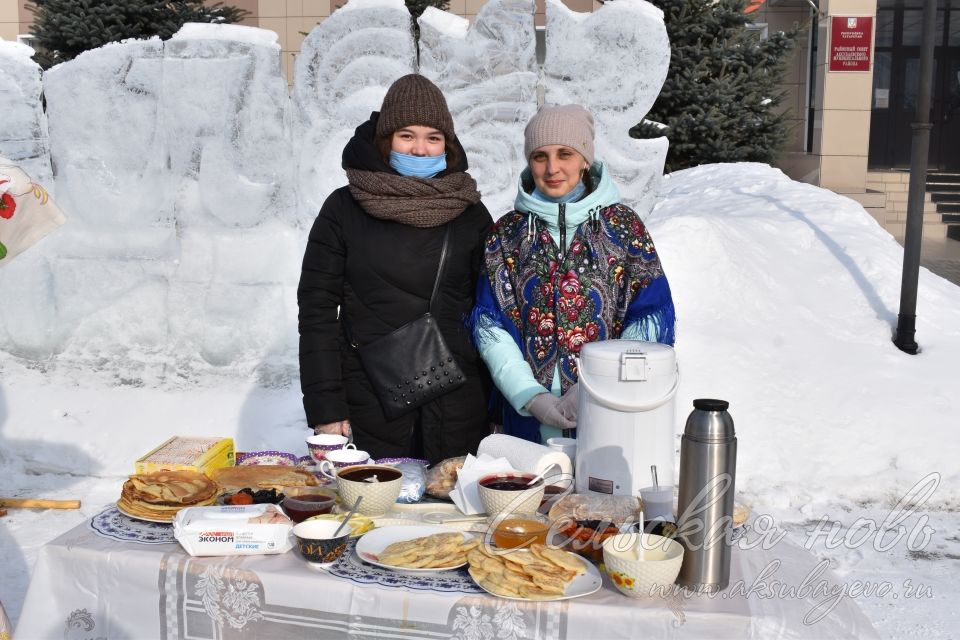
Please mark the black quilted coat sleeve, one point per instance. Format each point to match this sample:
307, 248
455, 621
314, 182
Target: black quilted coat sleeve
319, 296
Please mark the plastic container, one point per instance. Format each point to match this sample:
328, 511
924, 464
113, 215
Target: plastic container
625, 419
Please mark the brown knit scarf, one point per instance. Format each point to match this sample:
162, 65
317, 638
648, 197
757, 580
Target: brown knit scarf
416, 202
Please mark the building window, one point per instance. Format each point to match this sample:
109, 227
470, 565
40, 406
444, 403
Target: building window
758, 30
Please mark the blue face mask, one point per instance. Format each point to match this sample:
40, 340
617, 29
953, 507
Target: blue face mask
417, 166
575, 194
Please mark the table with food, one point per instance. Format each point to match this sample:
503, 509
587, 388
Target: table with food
515, 540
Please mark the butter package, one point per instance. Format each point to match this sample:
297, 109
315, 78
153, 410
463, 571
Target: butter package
188, 453
247, 530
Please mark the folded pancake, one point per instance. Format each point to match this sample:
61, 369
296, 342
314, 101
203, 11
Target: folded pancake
263, 476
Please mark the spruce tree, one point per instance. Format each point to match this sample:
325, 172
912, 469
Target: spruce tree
721, 96
417, 7
63, 29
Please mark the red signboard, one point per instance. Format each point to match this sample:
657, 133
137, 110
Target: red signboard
851, 41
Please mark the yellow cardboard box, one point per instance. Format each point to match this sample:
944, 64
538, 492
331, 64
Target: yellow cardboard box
188, 452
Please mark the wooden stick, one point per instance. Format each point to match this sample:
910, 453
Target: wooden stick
36, 503
3, 512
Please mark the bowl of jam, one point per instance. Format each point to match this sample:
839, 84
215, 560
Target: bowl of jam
509, 493
303, 504
585, 537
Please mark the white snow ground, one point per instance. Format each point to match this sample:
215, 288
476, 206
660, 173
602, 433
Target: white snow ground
786, 295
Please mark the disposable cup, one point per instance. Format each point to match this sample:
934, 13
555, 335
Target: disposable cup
567, 446
657, 503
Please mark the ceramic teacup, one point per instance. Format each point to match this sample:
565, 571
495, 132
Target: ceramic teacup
322, 443
340, 458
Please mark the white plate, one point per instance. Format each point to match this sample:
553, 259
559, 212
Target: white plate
582, 585
374, 542
143, 518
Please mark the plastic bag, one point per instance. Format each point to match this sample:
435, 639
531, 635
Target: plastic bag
616, 510
442, 476
414, 481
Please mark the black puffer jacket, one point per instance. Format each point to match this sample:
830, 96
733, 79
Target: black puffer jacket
380, 275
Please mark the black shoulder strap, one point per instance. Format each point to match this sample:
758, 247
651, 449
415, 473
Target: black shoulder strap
443, 262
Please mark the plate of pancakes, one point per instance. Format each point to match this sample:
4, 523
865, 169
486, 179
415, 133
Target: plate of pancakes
416, 548
160, 495
539, 572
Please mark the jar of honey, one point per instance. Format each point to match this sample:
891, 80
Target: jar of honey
520, 532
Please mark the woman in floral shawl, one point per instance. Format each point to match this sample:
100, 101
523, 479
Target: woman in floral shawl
570, 265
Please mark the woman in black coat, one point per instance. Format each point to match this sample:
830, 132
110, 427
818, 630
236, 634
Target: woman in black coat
369, 268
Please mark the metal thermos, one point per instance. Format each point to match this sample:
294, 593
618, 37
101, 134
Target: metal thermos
708, 467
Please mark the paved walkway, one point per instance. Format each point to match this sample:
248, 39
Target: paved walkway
941, 256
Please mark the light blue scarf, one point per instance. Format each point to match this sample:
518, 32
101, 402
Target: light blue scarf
575, 194
417, 166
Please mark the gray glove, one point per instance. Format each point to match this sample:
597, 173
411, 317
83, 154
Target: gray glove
568, 403
545, 407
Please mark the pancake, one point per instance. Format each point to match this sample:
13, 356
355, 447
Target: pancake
263, 476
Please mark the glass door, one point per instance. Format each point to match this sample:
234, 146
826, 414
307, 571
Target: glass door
946, 131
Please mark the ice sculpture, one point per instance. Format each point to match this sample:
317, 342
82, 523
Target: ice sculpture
234, 143
175, 160
614, 62
23, 127
342, 72
102, 107
488, 73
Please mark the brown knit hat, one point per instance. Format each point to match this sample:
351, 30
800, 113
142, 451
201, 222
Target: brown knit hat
414, 100
568, 124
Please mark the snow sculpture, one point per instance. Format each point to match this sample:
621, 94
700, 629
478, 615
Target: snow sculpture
231, 148
102, 107
23, 127
342, 72
488, 73
174, 159
613, 62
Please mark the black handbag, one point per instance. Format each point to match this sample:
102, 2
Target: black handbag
412, 365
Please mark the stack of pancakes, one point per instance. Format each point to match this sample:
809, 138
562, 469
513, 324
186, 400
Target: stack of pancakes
161, 494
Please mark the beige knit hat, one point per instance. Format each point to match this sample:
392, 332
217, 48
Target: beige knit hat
414, 100
568, 124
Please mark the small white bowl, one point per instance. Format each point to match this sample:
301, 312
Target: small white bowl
642, 566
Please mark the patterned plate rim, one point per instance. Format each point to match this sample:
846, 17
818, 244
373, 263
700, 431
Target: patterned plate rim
95, 524
349, 565
291, 459
142, 518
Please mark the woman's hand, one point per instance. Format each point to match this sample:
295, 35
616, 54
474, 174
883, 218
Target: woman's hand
545, 407
340, 428
568, 402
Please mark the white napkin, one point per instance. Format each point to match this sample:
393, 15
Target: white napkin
465, 493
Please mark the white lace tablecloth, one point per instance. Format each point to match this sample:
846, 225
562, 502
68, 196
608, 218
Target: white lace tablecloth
88, 584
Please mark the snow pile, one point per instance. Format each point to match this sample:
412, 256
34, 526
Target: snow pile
786, 297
